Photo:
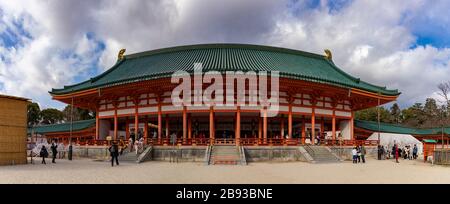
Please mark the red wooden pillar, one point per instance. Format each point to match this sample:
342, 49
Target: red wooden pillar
136, 118
146, 130
184, 123
265, 125
238, 125
167, 125
333, 126
97, 124
159, 121
290, 122
211, 125
259, 127
303, 130
282, 127
351, 127
313, 126
115, 121
189, 126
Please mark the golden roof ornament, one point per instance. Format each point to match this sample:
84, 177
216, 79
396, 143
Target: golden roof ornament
120, 55
328, 54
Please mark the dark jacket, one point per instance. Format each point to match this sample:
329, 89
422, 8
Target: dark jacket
114, 150
54, 148
44, 152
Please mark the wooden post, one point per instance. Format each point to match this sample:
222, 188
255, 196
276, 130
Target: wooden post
282, 127
238, 126
313, 126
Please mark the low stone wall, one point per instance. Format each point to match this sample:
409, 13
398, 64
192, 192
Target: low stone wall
182, 153
93, 152
345, 152
442, 157
273, 153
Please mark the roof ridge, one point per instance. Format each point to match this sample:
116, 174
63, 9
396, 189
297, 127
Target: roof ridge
222, 45
65, 123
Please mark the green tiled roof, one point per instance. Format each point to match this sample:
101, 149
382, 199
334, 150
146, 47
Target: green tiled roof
430, 141
64, 127
225, 57
394, 128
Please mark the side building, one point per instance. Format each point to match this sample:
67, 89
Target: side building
13, 130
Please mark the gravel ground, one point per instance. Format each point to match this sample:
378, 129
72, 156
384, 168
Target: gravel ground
89, 171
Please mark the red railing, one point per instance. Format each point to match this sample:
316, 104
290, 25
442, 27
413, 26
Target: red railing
241, 141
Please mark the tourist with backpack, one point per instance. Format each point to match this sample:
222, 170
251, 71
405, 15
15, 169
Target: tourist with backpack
43, 154
114, 152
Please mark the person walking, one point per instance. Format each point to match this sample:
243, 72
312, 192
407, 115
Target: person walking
43, 153
354, 155
114, 152
396, 152
415, 150
363, 153
54, 149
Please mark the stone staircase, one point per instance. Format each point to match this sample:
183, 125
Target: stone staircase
128, 156
321, 154
226, 154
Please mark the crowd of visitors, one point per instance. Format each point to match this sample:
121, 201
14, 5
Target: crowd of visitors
396, 152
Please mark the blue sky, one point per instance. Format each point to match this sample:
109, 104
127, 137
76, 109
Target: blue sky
48, 45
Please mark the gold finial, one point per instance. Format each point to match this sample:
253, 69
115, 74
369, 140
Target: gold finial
328, 54
120, 55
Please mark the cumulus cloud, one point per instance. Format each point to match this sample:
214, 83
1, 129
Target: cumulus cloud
62, 42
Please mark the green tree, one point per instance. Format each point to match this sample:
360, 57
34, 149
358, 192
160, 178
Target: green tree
371, 114
33, 114
395, 113
78, 113
51, 116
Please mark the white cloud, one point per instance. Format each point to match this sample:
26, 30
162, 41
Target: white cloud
369, 40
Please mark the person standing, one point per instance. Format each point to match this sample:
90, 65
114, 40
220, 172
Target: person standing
54, 149
121, 146
358, 151
354, 155
43, 153
130, 142
363, 153
415, 151
114, 152
383, 152
379, 152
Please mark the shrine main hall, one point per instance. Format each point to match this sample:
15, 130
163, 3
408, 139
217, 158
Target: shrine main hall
133, 98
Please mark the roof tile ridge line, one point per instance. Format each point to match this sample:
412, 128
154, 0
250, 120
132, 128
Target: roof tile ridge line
358, 80
65, 123
114, 67
391, 124
223, 45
